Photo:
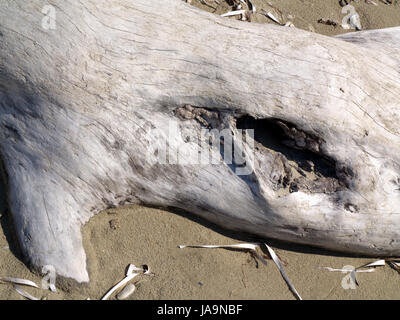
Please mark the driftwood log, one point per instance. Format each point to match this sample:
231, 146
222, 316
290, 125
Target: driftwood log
86, 106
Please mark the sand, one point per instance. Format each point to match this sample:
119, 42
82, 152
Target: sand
305, 13
139, 235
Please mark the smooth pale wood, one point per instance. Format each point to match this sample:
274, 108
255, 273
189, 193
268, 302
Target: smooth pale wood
78, 105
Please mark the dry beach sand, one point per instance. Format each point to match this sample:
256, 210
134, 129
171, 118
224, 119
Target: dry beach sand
138, 235
305, 14
151, 236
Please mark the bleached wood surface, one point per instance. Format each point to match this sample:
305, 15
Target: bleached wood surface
84, 107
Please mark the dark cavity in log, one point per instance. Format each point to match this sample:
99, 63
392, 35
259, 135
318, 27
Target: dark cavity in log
306, 168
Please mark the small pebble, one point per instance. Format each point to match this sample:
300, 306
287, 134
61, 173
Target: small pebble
114, 224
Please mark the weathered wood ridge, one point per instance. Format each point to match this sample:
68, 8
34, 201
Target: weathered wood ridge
84, 108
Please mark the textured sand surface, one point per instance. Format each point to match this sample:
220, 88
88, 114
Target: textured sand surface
305, 13
140, 236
